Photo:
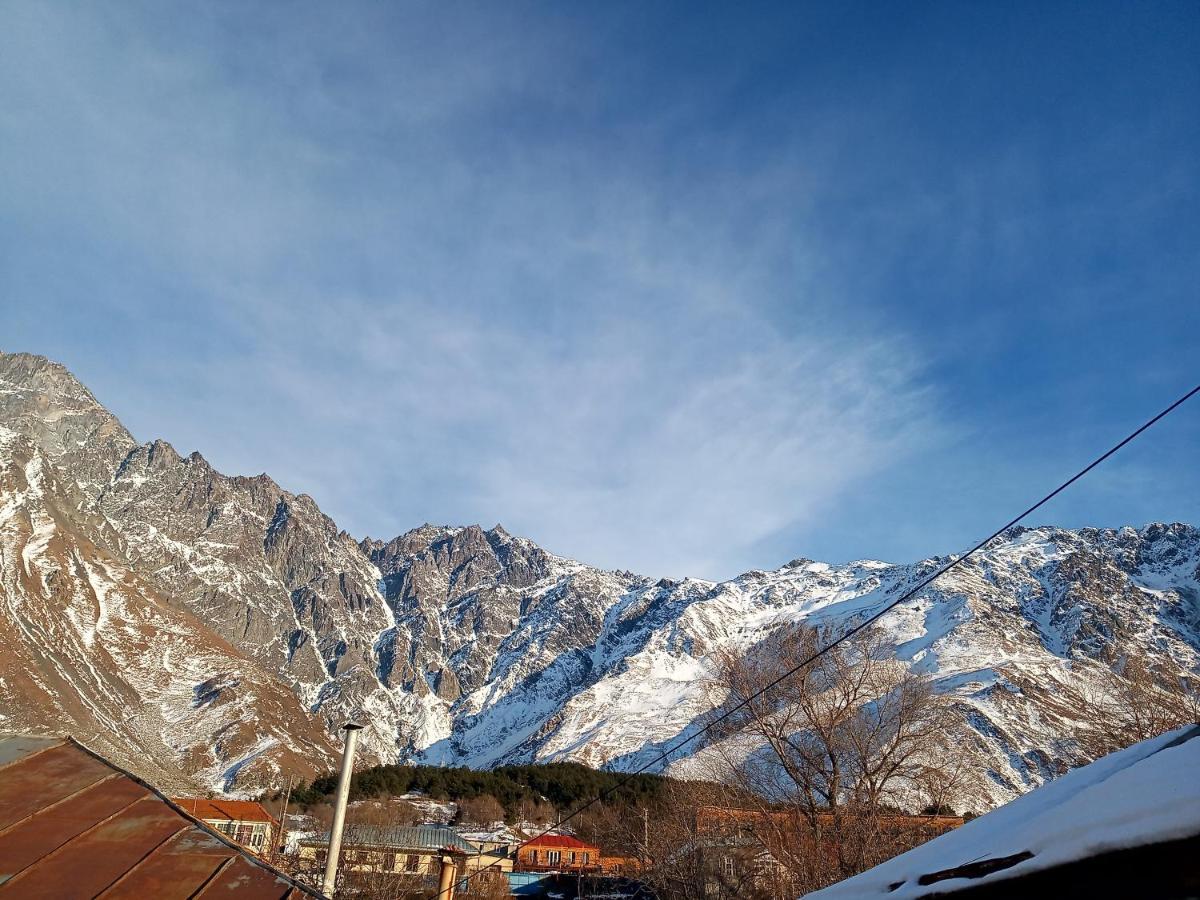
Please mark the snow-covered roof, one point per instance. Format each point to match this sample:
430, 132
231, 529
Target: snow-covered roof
1141, 795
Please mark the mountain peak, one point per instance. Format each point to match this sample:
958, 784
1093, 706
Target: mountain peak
472, 646
53, 382
42, 400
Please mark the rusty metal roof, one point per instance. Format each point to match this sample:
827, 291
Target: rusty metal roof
73, 826
558, 840
223, 810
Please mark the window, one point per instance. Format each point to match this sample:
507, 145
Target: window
571, 856
389, 862
412, 862
587, 858
553, 856
533, 856
727, 866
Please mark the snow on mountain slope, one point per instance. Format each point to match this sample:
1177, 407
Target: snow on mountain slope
262, 567
1013, 634
87, 647
471, 646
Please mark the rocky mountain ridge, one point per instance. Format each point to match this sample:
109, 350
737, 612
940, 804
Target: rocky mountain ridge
244, 627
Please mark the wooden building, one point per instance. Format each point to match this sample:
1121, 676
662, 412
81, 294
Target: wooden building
558, 853
403, 857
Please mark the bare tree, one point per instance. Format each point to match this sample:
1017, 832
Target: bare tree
1134, 701
668, 846
672, 851
833, 751
391, 813
483, 811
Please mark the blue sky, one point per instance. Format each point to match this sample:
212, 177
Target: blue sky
680, 288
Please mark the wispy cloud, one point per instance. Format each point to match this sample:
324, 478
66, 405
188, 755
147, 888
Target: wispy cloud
420, 317
447, 266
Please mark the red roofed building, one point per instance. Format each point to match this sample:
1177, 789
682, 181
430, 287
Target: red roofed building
557, 853
243, 821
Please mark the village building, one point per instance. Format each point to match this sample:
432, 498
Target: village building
75, 826
243, 821
732, 866
1126, 825
494, 852
404, 857
558, 853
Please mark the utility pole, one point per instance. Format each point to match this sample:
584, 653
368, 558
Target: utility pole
339, 809
645, 837
279, 841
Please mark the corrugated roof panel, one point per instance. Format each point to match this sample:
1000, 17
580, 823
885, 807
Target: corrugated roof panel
244, 879
51, 775
95, 859
559, 840
29, 840
74, 826
177, 869
409, 837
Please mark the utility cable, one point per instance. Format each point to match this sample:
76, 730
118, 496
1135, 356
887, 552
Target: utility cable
874, 617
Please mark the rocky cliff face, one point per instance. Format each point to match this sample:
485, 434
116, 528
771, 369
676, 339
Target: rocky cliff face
91, 648
243, 627
260, 570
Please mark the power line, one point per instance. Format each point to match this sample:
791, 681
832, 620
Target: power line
874, 617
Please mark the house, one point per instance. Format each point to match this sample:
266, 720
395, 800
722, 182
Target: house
74, 826
494, 850
400, 857
731, 869
243, 821
1126, 825
557, 853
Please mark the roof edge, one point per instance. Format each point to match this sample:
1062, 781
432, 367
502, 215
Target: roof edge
238, 848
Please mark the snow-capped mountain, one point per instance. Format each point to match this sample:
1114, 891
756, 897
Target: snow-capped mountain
187, 620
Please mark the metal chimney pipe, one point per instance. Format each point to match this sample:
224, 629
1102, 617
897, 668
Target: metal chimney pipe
446, 878
339, 809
